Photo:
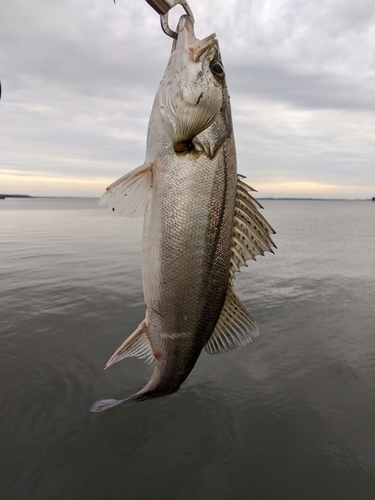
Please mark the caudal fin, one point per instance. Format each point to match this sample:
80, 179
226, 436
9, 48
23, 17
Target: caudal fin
149, 391
105, 404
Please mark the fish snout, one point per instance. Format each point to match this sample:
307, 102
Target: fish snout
185, 22
185, 34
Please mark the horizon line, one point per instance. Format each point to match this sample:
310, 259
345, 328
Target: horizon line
286, 198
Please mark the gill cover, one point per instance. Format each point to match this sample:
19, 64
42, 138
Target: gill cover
191, 94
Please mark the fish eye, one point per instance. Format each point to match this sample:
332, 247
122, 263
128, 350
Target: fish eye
217, 69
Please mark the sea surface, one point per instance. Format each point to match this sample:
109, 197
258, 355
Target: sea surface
289, 417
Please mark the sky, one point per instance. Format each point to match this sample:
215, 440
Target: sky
79, 78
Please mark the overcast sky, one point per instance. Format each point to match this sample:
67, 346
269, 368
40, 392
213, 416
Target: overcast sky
79, 77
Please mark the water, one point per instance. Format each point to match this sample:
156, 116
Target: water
292, 416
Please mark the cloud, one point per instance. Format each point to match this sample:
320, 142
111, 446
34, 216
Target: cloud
304, 90
79, 77
314, 190
41, 184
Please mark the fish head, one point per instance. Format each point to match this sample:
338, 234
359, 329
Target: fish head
193, 93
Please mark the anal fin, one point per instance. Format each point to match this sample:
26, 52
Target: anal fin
135, 345
234, 328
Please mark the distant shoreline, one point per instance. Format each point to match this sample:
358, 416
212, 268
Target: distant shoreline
3, 196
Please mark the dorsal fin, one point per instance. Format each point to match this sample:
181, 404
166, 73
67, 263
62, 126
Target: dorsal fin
235, 326
251, 231
251, 237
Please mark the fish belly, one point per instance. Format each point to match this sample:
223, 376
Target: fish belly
186, 254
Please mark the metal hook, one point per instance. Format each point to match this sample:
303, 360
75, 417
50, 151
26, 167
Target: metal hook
162, 7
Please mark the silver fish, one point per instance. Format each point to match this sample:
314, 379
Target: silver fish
200, 222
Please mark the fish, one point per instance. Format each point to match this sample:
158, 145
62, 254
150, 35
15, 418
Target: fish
201, 223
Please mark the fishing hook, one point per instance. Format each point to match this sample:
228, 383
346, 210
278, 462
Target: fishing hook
162, 7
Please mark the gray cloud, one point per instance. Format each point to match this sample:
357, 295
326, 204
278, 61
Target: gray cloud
310, 91
79, 78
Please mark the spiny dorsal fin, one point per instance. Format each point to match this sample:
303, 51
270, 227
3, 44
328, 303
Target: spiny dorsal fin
128, 196
251, 231
234, 328
135, 345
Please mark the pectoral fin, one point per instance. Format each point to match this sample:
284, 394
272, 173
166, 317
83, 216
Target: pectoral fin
129, 195
234, 328
195, 114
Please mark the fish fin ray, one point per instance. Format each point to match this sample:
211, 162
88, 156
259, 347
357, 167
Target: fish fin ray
251, 231
234, 328
196, 113
135, 345
129, 195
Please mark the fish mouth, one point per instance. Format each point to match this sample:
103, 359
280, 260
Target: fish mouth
185, 23
187, 41
200, 47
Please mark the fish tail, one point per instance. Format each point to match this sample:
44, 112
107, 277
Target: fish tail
156, 389
151, 390
105, 404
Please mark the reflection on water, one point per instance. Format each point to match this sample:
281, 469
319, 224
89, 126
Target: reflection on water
289, 417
